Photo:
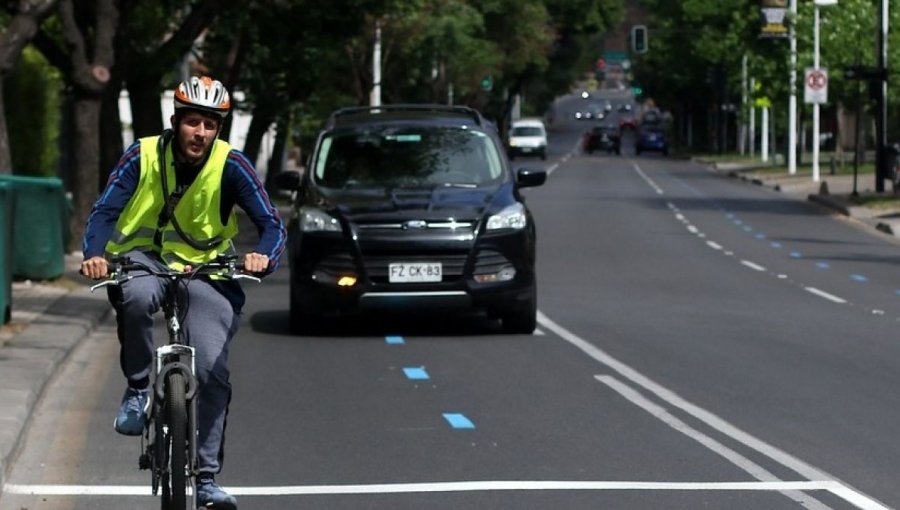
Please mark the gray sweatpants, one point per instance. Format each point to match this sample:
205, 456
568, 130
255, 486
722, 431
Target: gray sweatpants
210, 324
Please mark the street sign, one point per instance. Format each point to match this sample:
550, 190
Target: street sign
816, 86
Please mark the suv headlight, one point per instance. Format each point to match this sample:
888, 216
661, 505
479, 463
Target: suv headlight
315, 220
512, 217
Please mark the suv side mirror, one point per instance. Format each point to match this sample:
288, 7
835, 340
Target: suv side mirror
529, 177
287, 179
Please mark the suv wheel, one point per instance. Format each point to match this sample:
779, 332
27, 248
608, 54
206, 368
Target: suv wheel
523, 320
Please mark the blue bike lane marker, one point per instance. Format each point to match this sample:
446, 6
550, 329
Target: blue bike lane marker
416, 373
458, 421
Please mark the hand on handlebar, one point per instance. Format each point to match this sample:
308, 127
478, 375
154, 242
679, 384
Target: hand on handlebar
255, 263
96, 268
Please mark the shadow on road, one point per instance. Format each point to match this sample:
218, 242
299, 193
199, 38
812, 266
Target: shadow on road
275, 322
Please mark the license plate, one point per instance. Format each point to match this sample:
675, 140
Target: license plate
414, 272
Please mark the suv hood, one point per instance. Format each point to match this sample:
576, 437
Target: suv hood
409, 203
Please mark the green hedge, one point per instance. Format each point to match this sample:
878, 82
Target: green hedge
32, 97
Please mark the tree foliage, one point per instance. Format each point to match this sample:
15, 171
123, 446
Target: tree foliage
698, 47
293, 61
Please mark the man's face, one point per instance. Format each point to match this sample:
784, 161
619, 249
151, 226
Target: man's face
196, 134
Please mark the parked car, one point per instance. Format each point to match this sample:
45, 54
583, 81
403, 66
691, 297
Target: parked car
527, 137
652, 138
603, 138
411, 207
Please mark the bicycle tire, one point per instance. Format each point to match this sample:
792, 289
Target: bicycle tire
177, 421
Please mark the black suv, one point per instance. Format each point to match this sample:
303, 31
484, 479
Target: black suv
411, 207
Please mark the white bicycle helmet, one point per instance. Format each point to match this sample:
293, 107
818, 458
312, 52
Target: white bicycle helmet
203, 93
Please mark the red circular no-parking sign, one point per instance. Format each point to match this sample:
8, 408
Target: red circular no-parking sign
816, 80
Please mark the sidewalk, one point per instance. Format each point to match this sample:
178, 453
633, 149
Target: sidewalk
48, 320
832, 192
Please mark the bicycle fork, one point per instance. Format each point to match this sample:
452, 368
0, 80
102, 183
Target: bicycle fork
170, 359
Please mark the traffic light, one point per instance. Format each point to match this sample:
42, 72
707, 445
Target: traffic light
487, 83
639, 39
637, 91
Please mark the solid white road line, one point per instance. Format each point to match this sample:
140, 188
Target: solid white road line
715, 246
467, 486
785, 459
732, 456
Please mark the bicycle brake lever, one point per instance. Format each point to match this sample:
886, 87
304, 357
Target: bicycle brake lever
242, 276
103, 284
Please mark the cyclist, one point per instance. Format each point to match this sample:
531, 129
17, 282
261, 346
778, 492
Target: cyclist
180, 217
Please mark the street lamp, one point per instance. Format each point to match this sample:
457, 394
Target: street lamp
815, 161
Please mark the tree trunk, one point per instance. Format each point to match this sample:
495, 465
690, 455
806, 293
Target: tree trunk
258, 127
90, 77
276, 161
87, 162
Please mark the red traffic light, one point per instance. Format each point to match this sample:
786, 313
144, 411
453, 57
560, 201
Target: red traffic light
600, 65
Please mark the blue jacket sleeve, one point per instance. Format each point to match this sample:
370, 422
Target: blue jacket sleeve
251, 196
120, 186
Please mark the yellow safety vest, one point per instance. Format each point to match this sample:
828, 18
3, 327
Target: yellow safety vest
197, 212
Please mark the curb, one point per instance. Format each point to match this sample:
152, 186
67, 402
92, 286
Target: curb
863, 215
31, 359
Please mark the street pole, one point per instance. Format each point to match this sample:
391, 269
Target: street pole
792, 101
742, 132
881, 118
375, 97
752, 121
815, 137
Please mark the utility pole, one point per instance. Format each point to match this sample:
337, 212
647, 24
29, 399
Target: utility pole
742, 132
881, 162
375, 96
792, 101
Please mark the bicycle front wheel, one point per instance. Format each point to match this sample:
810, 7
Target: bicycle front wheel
176, 421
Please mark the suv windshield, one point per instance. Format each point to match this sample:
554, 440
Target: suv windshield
419, 156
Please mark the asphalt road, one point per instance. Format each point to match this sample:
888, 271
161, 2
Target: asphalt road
702, 343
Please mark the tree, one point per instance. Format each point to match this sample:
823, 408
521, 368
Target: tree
20, 29
80, 44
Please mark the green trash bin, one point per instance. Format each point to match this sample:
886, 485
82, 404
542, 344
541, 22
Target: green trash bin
6, 226
38, 230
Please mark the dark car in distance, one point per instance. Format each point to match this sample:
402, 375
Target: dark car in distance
411, 208
603, 138
652, 138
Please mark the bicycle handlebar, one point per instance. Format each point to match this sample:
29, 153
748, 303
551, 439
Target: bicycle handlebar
224, 266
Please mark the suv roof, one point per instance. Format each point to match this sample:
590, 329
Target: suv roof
454, 115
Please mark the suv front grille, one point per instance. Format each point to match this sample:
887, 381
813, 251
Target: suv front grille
461, 226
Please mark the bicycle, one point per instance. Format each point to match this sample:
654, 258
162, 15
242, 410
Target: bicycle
169, 442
